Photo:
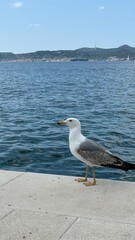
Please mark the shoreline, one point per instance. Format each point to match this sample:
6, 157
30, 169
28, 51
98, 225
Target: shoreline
67, 60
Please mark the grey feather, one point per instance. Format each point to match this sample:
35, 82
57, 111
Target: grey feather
100, 156
90, 145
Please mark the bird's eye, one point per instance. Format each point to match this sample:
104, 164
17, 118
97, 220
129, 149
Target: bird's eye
70, 120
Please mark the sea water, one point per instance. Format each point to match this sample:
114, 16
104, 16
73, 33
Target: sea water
35, 95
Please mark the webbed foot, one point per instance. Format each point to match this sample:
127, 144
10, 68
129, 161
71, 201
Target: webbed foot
81, 180
87, 184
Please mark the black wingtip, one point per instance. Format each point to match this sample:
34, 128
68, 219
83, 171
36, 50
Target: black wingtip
120, 164
128, 166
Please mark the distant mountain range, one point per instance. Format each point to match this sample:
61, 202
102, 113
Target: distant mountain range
124, 52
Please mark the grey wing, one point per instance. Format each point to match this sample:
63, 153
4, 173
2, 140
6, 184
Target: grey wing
98, 155
91, 146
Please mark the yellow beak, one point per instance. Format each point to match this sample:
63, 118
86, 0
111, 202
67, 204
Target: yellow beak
62, 123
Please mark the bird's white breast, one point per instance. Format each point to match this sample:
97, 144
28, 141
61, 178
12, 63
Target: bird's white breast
75, 139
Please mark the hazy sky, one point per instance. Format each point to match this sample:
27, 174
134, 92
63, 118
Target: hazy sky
31, 25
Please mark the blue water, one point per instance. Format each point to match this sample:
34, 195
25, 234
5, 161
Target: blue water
34, 96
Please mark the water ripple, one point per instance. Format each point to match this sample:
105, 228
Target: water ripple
34, 96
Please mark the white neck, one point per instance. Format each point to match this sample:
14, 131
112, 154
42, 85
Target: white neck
75, 133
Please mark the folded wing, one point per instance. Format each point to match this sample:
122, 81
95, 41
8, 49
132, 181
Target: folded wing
100, 156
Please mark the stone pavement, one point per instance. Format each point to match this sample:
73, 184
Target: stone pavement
50, 207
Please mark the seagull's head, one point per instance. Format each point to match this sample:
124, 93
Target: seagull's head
70, 122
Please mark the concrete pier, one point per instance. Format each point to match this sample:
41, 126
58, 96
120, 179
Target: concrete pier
50, 207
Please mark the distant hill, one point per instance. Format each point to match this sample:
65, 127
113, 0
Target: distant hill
7, 56
82, 54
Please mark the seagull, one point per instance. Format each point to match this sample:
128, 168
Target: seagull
91, 153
